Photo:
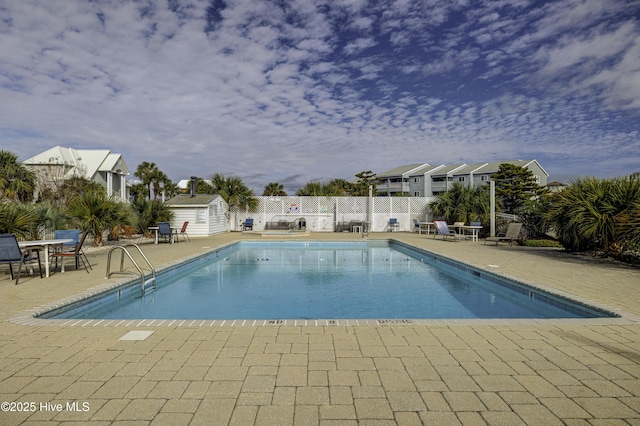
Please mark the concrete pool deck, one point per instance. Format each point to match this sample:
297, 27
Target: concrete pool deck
449, 372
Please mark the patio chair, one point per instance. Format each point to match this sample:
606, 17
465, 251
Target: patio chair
443, 229
393, 224
183, 232
10, 252
416, 226
165, 231
64, 234
77, 253
248, 224
513, 233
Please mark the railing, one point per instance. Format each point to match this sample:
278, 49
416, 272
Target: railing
141, 271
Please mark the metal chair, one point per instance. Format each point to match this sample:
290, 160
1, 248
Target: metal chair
393, 224
248, 224
165, 231
62, 234
77, 253
10, 252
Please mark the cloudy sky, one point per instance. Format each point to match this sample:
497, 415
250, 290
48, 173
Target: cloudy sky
301, 90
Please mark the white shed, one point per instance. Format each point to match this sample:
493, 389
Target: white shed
206, 214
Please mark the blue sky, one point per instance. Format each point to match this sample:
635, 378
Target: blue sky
293, 91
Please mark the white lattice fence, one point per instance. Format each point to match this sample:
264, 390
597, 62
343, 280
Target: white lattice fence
322, 214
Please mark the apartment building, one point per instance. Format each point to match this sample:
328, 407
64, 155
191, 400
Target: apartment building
424, 180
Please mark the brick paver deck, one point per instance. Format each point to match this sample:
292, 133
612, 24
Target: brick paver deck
507, 372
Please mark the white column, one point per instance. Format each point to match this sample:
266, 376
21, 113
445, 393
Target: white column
109, 183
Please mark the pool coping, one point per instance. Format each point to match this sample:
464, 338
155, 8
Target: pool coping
30, 317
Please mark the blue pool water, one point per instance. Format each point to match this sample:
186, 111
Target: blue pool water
318, 280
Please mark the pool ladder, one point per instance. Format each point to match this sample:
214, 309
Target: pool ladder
142, 272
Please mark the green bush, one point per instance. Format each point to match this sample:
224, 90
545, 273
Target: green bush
540, 243
593, 214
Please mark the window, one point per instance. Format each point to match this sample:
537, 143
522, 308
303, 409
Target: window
461, 179
416, 194
484, 178
416, 180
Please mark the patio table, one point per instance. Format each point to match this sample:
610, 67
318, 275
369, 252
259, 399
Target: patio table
473, 228
45, 244
156, 229
425, 225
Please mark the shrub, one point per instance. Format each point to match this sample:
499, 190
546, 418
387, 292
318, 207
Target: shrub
594, 214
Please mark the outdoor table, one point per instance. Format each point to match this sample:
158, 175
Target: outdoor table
45, 244
474, 230
156, 229
425, 225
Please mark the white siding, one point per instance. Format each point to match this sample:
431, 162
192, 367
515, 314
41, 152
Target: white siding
203, 220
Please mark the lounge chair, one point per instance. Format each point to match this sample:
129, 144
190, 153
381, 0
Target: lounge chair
10, 252
513, 233
443, 229
77, 253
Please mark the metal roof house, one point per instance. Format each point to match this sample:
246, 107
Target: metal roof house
206, 213
98, 165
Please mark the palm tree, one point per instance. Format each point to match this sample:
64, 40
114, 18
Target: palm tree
234, 192
145, 171
17, 183
150, 212
96, 212
339, 187
596, 214
157, 178
19, 219
312, 189
274, 189
462, 204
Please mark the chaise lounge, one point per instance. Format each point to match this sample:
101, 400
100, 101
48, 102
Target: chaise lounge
513, 233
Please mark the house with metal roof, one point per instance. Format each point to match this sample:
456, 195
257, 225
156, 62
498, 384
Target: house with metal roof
98, 165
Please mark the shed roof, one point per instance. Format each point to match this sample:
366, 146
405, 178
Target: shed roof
187, 200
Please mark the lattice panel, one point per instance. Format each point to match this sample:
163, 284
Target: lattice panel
322, 213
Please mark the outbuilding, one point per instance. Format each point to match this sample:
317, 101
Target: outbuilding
206, 214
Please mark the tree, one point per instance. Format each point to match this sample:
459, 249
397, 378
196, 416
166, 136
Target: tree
339, 187
365, 180
145, 172
96, 212
150, 212
19, 219
17, 183
515, 185
274, 189
313, 189
596, 214
234, 192
462, 204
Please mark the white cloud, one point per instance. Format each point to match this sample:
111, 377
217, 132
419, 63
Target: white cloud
270, 92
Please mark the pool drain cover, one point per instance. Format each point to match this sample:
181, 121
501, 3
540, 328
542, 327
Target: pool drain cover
136, 335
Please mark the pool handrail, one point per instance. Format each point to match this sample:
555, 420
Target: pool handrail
140, 270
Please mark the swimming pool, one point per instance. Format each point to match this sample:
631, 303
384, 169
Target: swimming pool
325, 280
